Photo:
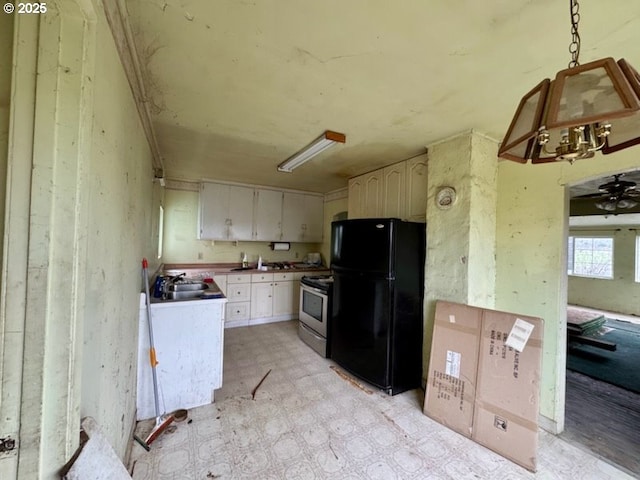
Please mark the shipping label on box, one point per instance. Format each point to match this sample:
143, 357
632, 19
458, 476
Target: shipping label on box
508, 383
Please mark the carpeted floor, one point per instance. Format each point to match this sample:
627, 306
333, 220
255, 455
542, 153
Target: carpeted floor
621, 367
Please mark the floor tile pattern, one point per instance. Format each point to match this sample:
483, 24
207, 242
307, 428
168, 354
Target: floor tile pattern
306, 422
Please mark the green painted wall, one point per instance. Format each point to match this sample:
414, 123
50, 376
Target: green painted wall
331, 208
532, 227
122, 210
181, 244
6, 46
620, 294
460, 264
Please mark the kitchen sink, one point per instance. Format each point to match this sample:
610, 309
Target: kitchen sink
187, 286
186, 289
184, 294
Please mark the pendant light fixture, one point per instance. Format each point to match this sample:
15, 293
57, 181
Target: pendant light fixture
587, 108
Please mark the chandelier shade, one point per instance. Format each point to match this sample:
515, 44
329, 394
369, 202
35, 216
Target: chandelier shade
587, 108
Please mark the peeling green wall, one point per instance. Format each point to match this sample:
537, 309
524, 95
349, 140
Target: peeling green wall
181, 244
461, 240
619, 294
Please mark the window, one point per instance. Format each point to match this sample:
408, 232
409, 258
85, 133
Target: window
591, 257
638, 258
160, 230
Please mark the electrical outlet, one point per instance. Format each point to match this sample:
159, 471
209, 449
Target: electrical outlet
200, 256
296, 254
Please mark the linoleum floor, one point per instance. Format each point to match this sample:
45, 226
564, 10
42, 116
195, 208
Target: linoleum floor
307, 422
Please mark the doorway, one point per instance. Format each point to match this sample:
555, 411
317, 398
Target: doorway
602, 405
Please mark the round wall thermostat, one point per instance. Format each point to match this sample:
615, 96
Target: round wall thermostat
445, 198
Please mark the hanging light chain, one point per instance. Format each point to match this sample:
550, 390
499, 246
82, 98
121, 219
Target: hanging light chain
574, 46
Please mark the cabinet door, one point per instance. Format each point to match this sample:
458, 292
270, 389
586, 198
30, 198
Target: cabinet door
238, 292
373, 194
261, 300
214, 209
283, 298
293, 217
356, 198
393, 205
417, 189
314, 218
268, 215
240, 213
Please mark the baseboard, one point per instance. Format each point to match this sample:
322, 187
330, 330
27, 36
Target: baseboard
127, 454
281, 318
549, 425
259, 321
236, 323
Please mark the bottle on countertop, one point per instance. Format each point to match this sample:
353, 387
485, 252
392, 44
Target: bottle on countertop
245, 262
260, 262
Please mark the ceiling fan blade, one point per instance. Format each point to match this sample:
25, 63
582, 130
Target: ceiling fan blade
593, 195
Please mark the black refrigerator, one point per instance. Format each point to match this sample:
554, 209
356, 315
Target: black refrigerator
376, 321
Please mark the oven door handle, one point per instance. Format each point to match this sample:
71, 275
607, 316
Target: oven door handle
313, 289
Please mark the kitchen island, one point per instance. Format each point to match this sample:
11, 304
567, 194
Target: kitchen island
188, 337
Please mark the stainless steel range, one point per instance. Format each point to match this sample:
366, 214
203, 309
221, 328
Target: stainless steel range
315, 311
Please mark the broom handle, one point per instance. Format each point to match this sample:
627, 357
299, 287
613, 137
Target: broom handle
152, 349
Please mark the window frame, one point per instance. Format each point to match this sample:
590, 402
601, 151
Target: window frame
637, 279
571, 252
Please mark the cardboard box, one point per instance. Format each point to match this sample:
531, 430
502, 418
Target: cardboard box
451, 382
499, 364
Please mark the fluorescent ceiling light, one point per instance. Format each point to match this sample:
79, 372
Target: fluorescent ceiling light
320, 144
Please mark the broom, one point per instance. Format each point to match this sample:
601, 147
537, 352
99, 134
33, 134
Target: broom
162, 421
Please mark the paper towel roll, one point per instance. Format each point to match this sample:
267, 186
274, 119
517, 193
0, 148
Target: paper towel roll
280, 246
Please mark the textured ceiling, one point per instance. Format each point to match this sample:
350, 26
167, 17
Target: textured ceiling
235, 87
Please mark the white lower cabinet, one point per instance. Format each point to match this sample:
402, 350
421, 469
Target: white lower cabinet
238, 312
259, 298
238, 293
283, 298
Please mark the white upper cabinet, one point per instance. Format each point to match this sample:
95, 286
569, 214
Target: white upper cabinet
302, 217
236, 212
394, 205
268, 215
398, 190
417, 189
356, 200
226, 212
366, 195
373, 194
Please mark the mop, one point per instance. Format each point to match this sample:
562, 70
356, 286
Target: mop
162, 421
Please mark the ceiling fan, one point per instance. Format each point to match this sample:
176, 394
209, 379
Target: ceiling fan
616, 194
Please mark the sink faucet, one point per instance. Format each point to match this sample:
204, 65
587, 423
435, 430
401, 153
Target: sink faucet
170, 281
175, 278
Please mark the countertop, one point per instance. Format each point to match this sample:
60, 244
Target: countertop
226, 268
